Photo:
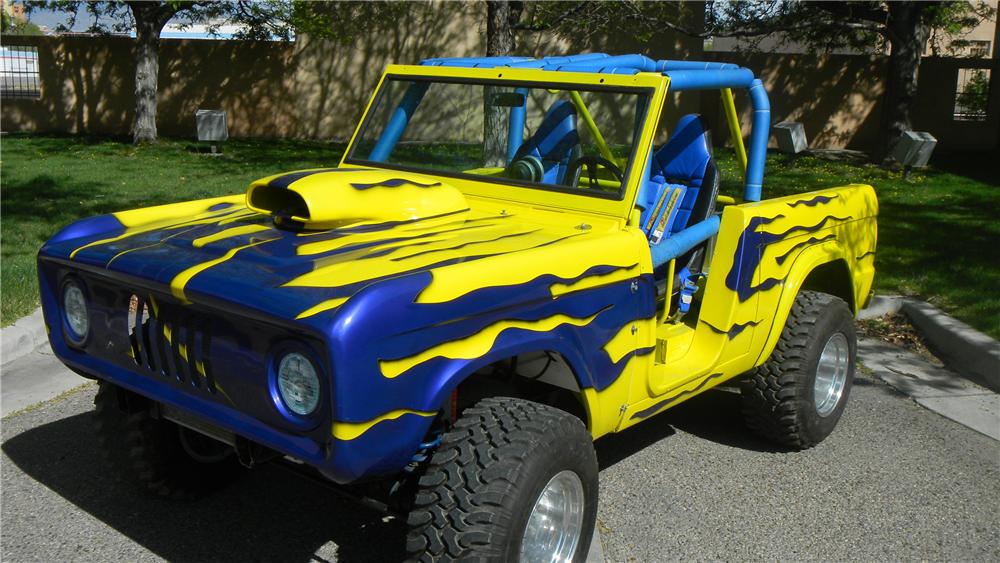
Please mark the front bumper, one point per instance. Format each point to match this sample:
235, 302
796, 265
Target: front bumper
215, 367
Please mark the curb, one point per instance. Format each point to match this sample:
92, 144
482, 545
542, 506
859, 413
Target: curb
974, 355
963, 348
881, 305
22, 337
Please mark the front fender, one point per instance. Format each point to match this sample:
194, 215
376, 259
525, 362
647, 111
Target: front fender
397, 359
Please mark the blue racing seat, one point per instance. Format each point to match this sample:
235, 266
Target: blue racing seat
554, 144
686, 160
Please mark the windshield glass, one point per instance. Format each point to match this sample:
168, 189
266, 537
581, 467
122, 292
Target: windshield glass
554, 137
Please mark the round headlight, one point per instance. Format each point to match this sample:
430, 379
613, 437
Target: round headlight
298, 383
75, 307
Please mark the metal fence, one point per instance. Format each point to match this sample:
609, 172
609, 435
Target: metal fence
19, 72
972, 94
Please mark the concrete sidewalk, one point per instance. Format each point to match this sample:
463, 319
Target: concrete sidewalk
34, 378
936, 388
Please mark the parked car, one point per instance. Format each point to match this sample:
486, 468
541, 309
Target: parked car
505, 265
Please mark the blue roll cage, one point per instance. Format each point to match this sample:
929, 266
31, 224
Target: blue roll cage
684, 76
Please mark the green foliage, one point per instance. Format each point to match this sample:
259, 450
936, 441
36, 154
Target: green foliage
11, 26
258, 20
344, 22
976, 95
824, 26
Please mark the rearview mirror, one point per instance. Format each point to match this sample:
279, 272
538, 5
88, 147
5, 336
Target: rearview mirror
506, 99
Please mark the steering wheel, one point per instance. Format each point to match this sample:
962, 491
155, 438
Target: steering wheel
592, 162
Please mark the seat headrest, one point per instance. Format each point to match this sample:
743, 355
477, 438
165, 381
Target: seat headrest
685, 156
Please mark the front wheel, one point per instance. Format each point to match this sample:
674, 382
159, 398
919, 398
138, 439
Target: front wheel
797, 396
156, 454
512, 481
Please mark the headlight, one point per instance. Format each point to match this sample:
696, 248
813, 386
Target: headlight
298, 383
75, 310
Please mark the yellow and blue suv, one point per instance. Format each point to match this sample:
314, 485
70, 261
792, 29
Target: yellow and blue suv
514, 257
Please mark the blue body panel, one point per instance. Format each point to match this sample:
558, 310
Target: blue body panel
250, 312
234, 315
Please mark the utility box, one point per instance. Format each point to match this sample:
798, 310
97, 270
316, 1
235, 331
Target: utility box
791, 137
212, 125
914, 149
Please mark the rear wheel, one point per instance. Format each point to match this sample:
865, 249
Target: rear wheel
156, 454
798, 395
512, 481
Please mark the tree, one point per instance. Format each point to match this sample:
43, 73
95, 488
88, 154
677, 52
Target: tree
148, 18
10, 25
902, 27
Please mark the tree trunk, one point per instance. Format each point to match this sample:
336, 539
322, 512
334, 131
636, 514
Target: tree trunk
500, 16
150, 17
908, 35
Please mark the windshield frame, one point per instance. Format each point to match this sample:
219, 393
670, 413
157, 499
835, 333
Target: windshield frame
653, 86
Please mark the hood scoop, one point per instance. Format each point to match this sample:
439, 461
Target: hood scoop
336, 197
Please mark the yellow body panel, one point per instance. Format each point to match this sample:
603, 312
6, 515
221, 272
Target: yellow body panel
737, 328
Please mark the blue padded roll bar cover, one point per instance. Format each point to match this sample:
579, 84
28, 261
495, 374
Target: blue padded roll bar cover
471, 62
709, 79
758, 141
553, 140
515, 131
666, 65
558, 122
681, 242
538, 63
621, 64
397, 123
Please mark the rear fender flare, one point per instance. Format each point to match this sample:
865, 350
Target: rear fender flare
807, 261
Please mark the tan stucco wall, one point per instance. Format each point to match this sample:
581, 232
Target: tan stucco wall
317, 89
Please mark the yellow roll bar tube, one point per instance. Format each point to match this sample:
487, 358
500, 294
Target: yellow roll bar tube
734, 128
588, 120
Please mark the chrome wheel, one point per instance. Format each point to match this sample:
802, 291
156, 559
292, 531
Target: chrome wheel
556, 522
831, 374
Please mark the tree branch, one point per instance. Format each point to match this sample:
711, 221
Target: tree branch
549, 25
855, 11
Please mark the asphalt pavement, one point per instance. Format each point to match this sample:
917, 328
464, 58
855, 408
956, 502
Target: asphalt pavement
894, 482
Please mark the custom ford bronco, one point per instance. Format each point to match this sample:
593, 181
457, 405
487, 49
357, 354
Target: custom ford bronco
513, 258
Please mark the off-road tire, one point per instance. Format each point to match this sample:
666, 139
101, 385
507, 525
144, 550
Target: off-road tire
475, 497
777, 396
147, 451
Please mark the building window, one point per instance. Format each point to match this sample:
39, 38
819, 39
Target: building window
979, 49
19, 72
972, 94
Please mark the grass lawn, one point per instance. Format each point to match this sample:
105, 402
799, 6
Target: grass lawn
938, 234
48, 182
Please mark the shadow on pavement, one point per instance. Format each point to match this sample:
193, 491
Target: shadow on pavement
270, 515
713, 416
